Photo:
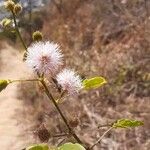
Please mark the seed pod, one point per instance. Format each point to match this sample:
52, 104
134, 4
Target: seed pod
9, 5
37, 36
74, 122
42, 133
17, 9
3, 84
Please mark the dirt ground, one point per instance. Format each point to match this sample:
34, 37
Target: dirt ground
13, 134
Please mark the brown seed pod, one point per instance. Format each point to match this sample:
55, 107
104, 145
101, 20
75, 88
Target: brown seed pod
42, 133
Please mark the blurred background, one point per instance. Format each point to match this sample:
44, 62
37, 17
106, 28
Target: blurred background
109, 38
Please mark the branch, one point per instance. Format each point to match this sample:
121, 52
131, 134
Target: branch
17, 30
60, 112
99, 140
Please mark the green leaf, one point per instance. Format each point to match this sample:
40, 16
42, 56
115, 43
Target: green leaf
6, 22
3, 84
127, 123
93, 83
38, 147
70, 146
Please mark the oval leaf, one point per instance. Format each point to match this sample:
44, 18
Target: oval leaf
3, 84
93, 82
127, 123
38, 147
70, 146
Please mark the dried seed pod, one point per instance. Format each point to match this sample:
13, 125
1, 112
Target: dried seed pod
43, 133
17, 9
9, 5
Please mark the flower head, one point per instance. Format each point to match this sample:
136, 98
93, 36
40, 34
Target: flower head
17, 8
69, 81
9, 5
44, 57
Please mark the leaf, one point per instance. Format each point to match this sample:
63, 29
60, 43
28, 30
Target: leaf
38, 147
93, 82
3, 84
70, 146
126, 123
6, 22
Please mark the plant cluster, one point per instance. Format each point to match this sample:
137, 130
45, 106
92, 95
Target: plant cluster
45, 59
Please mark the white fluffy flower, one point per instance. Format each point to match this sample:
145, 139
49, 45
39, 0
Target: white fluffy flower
44, 57
69, 81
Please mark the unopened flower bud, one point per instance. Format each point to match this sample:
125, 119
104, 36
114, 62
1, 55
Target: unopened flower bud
37, 36
9, 5
6, 23
3, 84
17, 9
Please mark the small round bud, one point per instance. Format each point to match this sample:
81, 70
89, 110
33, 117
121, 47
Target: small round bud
9, 5
17, 9
6, 23
37, 36
3, 84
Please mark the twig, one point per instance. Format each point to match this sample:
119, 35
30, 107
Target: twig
60, 135
99, 140
60, 112
105, 125
17, 30
23, 80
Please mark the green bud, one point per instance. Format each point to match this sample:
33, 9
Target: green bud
3, 84
9, 5
37, 36
17, 9
6, 23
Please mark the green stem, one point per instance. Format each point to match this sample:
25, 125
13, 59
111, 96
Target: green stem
99, 140
23, 80
17, 30
60, 112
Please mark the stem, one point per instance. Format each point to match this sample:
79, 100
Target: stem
99, 140
17, 30
47, 91
60, 135
105, 125
60, 112
22, 80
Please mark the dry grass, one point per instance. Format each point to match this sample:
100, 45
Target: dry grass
108, 39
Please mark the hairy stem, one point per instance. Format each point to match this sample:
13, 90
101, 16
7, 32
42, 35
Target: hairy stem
99, 140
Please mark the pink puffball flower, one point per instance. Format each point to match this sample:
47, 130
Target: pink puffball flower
69, 81
44, 57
